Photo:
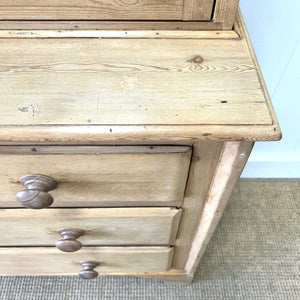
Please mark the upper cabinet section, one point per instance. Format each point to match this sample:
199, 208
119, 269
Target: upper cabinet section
106, 9
205, 14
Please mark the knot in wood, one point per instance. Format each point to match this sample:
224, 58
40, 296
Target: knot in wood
197, 59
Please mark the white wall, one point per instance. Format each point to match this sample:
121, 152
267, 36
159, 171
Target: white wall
273, 26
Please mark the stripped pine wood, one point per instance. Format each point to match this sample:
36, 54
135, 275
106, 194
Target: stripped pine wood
225, 12
154, 132
172, 275
145, 34
104, 11
64, 93
197, 9
135, 134
94, 150
204, 161
40, 76
230, 165
109, 25
113, 176
91, 10
101, 226
50, 261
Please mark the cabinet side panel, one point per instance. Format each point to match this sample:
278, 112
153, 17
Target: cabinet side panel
230, 165
204, 162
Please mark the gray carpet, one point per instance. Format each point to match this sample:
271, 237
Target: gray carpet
254, 254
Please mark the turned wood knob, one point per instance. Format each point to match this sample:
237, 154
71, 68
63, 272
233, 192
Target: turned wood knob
68, 243
88, 271
35, 195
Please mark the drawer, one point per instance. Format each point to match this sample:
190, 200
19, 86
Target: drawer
49, 261
104, 9
99, 176
100, 226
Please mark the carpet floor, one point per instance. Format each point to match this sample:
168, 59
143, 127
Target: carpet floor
254, 254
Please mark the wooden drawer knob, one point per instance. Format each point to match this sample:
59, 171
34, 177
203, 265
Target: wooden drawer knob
35, 195
68, 243
88, 271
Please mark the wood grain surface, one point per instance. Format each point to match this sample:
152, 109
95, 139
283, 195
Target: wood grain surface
225, 12
232, 160
91, 10
221, 12
51, 261
109, 25
156, 91
204, 161
99, 176
101, 226
150, 82
197, 9
128, 34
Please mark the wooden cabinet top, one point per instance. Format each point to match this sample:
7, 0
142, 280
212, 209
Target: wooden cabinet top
156, 88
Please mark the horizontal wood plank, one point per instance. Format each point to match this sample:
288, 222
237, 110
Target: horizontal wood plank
109, 25
50, 261
65, 81
101, 226
93, 150
129, 34
91, 10
115, 176
172, 134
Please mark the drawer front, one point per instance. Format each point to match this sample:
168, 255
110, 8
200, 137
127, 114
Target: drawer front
105, 9
49, 261
99, 176
101, 226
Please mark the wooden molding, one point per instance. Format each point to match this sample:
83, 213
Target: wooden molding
129, 34
109, 25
